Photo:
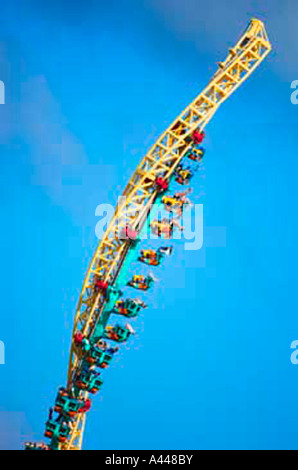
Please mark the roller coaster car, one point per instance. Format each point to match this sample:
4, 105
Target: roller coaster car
141, 282
162, 228
154, 257
183, 175
150, 257
89, 380
118, 333
57, 429
172, 202
67, 405
129, 307
196, 154
36, 446
99, 357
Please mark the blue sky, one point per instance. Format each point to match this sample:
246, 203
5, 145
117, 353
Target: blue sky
89, 87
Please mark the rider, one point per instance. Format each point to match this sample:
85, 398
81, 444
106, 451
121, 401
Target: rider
111, 350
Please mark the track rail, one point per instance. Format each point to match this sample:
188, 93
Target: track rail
140, 192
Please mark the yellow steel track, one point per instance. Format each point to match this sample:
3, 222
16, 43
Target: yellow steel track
140, 192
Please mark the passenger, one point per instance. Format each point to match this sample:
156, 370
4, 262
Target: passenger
165, 250
111, 350
120, 304
182, 197
111, 333
102, 344
51, 411
130, 329
86, 344
141, 303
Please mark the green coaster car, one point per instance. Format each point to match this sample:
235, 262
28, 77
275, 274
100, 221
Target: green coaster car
58, 430
89, 380
67, 405
141, 282
99, 357
129, 307
118, 333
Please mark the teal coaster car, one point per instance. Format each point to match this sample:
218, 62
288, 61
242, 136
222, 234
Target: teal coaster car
99, 357
141, 282
183, 175
118, 333
129, 307
66, 405
155, 257
89, 380
196, 154
57, 430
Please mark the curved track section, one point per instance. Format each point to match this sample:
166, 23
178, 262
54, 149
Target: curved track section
142, 192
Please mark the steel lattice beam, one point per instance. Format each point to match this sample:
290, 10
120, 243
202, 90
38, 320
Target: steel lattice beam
140, 192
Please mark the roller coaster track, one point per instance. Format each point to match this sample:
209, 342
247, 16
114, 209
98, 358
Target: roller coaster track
141, 191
